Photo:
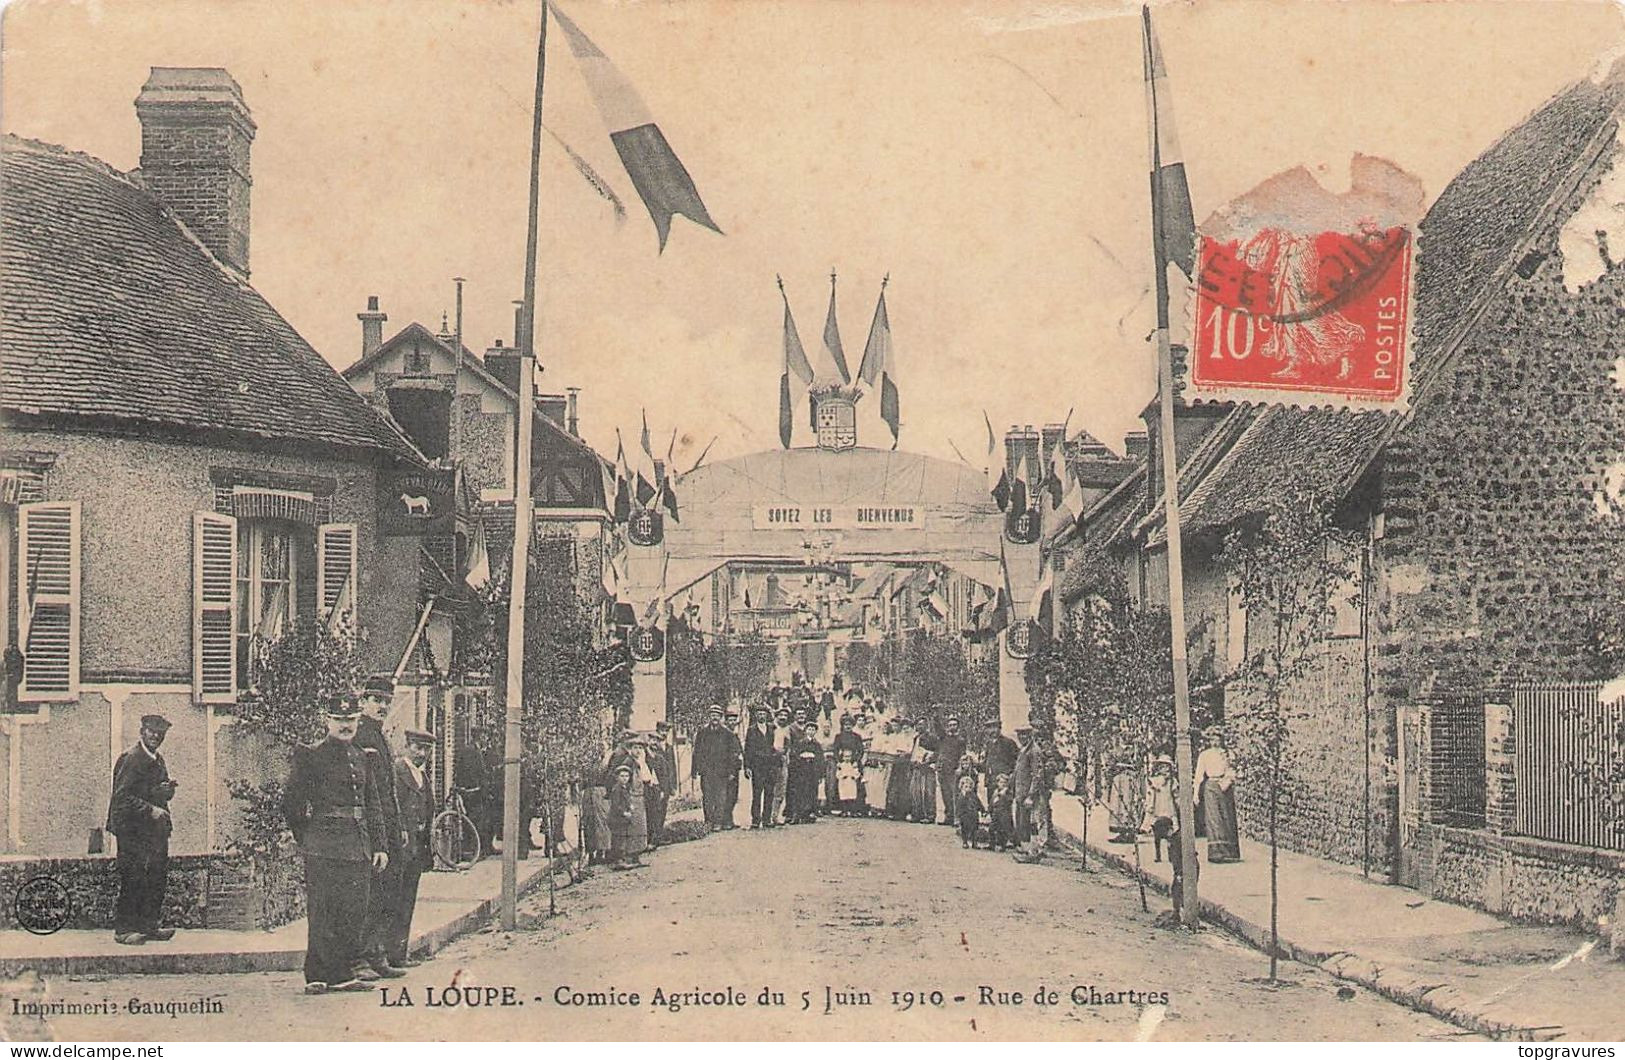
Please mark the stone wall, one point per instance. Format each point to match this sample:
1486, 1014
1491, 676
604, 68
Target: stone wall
1498, 526
1329, 806
215, 891
1524, 879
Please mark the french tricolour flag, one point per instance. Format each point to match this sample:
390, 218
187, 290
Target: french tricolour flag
658, 175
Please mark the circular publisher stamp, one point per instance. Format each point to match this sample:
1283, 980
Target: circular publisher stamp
42, 906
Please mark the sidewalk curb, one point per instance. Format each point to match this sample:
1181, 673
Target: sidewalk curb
141, 961
1396, 984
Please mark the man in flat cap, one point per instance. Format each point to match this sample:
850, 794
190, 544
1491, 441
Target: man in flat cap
376, 695
416, 802
138, 814
717, 758
333, 807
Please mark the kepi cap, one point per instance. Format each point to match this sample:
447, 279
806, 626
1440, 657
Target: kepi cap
343, 710
418, 736
381, 687
156, 722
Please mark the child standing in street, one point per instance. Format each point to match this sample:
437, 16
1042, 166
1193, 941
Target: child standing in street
620, 820
967, 811
1001, 808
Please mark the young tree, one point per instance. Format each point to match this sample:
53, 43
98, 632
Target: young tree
1114, 668
576, 690
1291, 568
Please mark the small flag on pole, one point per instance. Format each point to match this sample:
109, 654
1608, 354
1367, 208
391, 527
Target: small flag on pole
669, 477
623, 481
1173, 221
796, 365
876, 369
1056, 477
479, 559
648, 479
998, 485
832, 368
657, 173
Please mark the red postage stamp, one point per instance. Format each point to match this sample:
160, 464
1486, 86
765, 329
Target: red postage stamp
1310, 305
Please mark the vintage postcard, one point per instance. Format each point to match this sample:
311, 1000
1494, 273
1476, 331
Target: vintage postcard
1068, 521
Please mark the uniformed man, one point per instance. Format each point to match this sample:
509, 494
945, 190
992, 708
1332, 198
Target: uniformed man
138, 814
416, 802
376, 695
333, 808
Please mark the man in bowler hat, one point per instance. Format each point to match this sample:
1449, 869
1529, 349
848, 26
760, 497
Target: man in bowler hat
138, 814
416, 802
334, 810
376, 695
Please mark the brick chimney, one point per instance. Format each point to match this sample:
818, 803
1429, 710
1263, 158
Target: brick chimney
195, 136
503, 362
1136, 445
372, 326
553, 408
572, 412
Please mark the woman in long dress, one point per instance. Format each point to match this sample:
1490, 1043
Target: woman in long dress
1215, 786
900, 785
923, 782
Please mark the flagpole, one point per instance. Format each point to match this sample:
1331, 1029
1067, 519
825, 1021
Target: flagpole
525, 413
1170, 492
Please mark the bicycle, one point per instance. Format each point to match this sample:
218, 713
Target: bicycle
455, 840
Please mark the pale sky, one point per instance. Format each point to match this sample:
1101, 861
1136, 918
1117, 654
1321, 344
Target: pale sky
990, 156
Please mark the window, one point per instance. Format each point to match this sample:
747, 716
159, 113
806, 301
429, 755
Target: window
274, 577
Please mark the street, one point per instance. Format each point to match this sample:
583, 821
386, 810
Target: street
820, 914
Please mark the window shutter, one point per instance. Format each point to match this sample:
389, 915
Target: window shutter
336, 569
214, 607
48, 600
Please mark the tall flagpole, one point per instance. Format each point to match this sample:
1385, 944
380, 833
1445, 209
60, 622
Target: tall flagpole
1170, 492
525, 412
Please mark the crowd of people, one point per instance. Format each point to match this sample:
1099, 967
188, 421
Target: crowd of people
805, 756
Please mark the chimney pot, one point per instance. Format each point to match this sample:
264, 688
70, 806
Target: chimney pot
195, 137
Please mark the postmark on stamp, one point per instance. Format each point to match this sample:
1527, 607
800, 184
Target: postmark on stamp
1304, 297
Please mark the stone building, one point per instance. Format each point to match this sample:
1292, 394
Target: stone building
183, 472
1486, 532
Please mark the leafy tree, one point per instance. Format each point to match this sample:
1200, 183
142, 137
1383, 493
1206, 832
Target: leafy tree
296, 677
576, 689
937, 677
1108, 680
1289, 568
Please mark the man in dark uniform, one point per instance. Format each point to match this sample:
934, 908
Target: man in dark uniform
376, 695
717, 756
333, 808
416, 802
138, 814
950, 751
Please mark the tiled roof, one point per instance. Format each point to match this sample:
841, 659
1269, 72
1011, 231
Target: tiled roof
1482, 217
113, 311
1321, 450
